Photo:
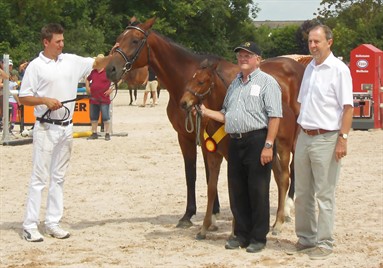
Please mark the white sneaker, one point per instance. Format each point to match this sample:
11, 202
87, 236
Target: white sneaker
57, 232
32, 235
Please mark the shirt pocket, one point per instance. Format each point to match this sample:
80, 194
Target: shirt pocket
253, 104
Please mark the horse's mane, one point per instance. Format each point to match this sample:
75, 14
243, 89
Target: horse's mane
210, 57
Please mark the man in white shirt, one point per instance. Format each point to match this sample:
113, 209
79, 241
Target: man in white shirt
325, 120
50, 84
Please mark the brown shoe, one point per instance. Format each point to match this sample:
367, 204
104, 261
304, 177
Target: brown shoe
320, 253
299, 248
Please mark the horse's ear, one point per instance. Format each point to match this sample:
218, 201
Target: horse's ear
204, 63
214, 65
133, 19
148, 24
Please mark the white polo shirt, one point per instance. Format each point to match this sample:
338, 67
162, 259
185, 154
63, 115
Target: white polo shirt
324, 90
45, 77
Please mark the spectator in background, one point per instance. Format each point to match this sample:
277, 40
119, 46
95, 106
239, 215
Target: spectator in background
3, 75
151, 87
99, 88
22, 68
10, 65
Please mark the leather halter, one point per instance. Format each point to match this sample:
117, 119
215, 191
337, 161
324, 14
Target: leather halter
130, 61
200, 96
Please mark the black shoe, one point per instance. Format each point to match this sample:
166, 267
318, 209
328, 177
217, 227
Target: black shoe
107, 137
94, 136
255, 247
235, 243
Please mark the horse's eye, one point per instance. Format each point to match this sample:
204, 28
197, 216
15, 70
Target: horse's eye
135, 41
200, 83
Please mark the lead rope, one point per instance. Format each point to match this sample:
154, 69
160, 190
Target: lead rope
198, 120
47, 114
189, 120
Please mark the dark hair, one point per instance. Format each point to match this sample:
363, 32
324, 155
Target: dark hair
48, 30
327, 31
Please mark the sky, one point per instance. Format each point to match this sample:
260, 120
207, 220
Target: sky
287, 9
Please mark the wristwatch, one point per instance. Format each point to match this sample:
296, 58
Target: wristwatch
268, 145
343, 135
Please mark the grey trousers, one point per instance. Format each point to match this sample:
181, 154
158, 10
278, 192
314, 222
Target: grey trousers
316, 176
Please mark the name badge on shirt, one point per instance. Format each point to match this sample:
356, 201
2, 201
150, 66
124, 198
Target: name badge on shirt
255, 90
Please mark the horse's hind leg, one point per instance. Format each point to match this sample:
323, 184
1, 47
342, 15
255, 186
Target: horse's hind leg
135, 95
290, 196
281, 175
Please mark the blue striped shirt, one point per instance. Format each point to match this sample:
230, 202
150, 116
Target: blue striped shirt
248, 106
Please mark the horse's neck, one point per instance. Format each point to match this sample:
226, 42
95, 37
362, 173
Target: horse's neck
172, 64
223, 76
218, 92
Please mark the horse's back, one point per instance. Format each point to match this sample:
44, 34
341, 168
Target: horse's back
136, 77
288, 74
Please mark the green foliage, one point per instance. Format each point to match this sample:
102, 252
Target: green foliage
353, 23
91, 26
204, 26
282, 42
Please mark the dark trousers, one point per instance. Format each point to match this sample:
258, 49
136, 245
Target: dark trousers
249, 185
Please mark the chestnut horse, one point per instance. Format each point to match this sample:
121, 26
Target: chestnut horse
174, 66
208, 86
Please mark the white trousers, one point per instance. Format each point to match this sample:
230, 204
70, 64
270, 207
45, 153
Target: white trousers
316, 176
52, 147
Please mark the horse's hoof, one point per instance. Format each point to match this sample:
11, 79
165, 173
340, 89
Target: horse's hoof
213, 228
184, 224
200, 236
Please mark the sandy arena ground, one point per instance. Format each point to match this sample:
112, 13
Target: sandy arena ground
123, 199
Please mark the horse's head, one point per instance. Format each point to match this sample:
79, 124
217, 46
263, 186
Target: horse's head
199, 86
132, 52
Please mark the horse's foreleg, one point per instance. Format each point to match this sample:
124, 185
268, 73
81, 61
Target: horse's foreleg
212, 165
281, 175
189, 152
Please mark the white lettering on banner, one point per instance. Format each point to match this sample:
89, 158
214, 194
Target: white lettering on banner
362, 56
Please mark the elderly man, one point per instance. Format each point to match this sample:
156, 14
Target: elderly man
251, 112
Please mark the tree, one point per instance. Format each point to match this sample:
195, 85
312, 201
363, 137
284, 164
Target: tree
282, 42
92, 26
353, 23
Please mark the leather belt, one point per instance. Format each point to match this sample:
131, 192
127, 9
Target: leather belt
54, 122
239, 136
314, 132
